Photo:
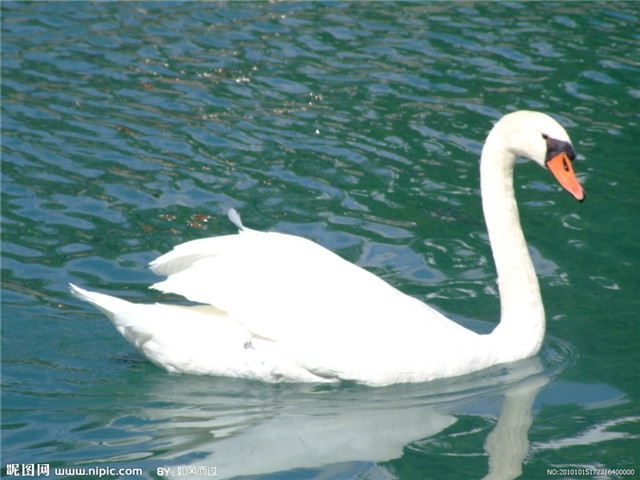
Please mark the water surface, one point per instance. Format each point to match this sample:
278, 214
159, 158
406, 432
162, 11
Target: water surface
130, 127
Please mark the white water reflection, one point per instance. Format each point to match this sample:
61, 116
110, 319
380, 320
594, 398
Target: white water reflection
240, 428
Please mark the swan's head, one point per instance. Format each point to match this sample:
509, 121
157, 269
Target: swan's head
539, 137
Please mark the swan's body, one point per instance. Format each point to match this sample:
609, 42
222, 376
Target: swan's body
280, 307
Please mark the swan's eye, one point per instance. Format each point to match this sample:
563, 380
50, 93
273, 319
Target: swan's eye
545, 136
556, 147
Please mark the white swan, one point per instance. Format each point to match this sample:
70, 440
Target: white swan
279, 307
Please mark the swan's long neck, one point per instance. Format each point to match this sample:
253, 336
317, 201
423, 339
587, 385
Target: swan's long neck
521, 329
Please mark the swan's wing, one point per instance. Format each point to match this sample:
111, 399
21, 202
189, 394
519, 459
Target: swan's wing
292, 291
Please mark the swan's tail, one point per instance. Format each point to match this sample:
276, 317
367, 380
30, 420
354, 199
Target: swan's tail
107, 304
191, 339
148, 327
130, 319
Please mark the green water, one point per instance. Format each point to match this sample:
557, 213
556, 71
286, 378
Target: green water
130, 127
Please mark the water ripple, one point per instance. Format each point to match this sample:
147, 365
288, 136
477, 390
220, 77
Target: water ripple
130, 127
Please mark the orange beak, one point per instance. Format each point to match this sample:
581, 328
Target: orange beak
562, 169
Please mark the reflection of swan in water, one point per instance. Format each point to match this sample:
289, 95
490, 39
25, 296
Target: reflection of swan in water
250, 428
507, 445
